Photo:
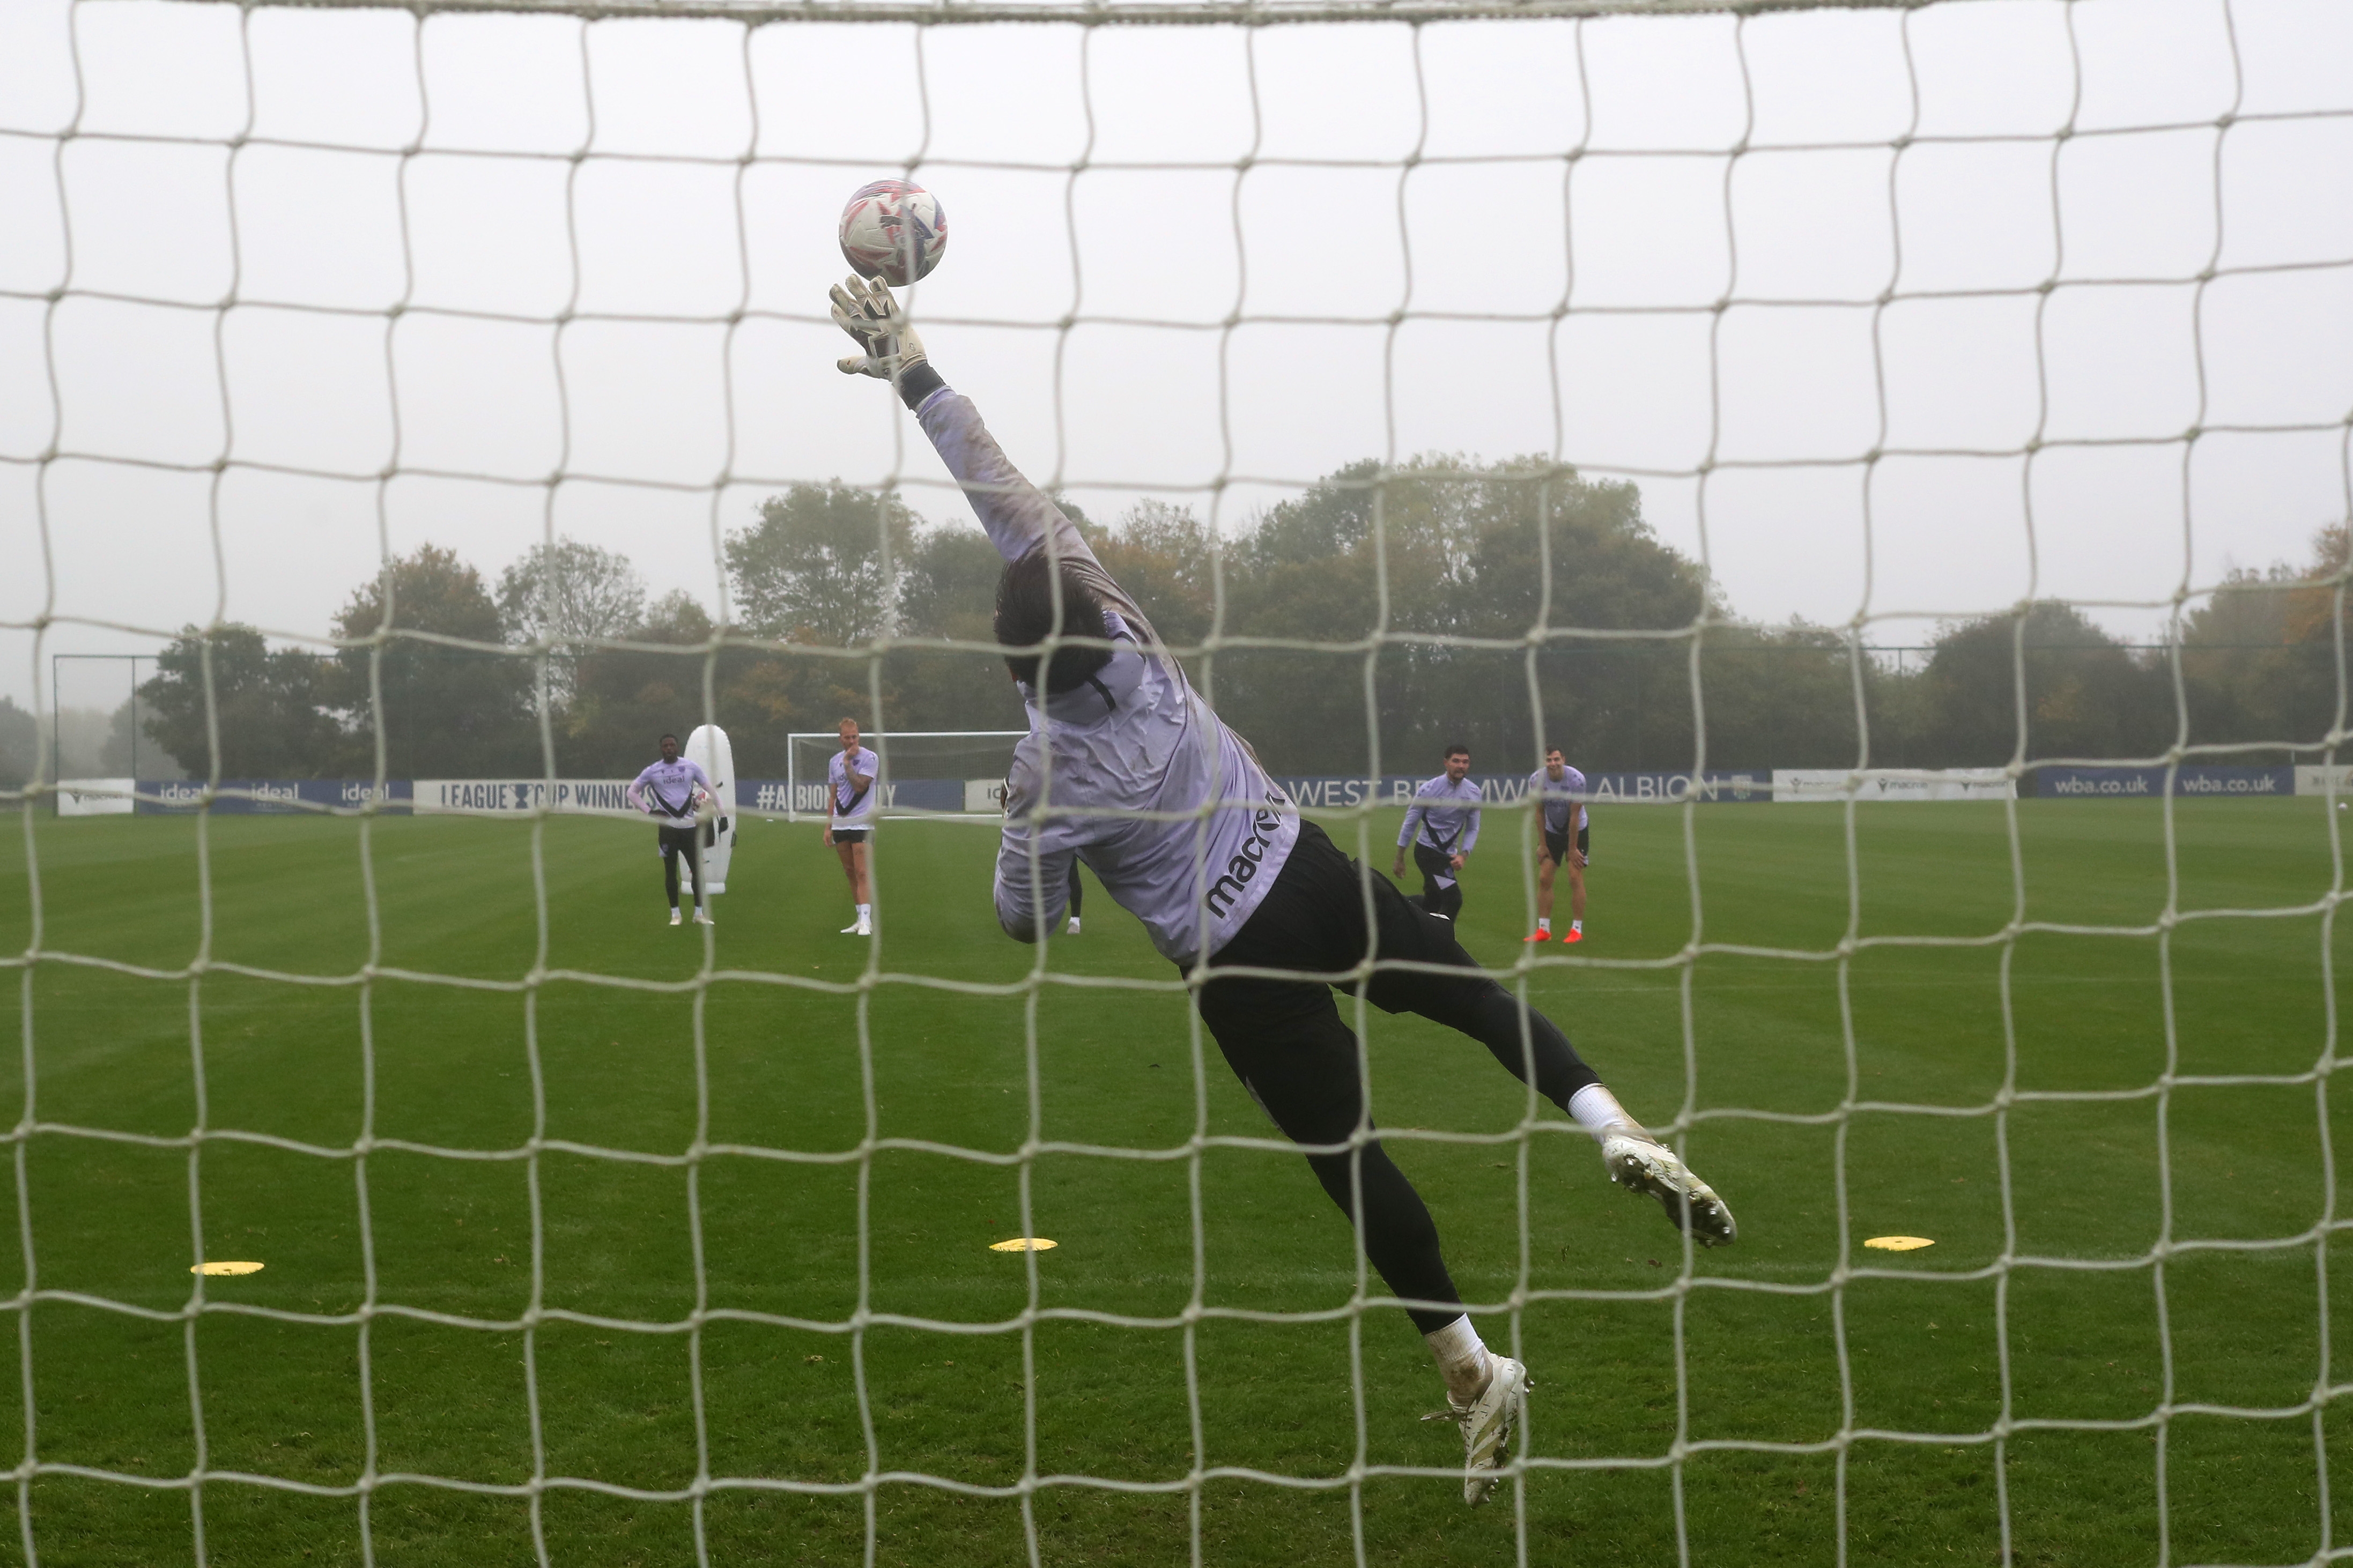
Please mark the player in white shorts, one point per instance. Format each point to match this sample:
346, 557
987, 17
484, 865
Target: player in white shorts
1558, 790
850, 818
1126, 767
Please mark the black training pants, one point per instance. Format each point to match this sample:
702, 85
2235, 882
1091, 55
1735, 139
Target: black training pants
684, 841
1434, 865
1286, 1041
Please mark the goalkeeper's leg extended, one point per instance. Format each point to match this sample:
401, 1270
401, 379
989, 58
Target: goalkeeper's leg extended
1286, 1042
1526, 1042
1532, 1047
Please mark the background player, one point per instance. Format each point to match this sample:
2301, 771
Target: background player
850, 816
1557, 787
667, 791
1443, 825
1078, 895
1185, 830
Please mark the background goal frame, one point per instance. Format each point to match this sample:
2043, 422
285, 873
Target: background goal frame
792, 760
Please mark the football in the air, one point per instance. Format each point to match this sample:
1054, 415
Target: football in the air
895, 230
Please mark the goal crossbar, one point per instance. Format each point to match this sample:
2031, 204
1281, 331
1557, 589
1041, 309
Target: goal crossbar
1151, 13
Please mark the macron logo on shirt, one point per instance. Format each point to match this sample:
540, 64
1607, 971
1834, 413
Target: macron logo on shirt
1228, 890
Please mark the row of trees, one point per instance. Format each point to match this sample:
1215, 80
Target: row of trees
78, 742
1370, 583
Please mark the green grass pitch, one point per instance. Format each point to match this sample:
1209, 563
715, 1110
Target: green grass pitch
2234, 1345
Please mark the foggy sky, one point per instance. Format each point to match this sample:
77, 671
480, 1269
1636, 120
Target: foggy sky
1209, 264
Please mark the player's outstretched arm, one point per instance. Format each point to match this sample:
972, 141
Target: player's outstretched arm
1016, 514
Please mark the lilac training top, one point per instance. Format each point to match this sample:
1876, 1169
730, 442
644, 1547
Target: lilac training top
671, 785
1133, 770
1446, 814
853, 807
1564, 807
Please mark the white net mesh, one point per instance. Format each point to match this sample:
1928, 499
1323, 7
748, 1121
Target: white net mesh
1749, 296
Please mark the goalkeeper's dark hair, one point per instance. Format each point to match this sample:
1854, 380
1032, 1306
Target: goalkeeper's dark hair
1025, 618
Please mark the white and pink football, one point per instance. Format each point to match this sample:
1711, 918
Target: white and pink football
895, 230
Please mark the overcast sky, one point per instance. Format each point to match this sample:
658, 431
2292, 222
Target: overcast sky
1136, 330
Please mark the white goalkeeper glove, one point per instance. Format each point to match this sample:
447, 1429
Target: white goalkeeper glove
868, 313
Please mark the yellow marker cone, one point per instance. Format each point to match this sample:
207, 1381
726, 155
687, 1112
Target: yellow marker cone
1899, 1243
1023, 1244
224, 1269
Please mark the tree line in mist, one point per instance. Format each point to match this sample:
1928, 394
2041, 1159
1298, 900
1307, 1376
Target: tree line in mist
1396, 579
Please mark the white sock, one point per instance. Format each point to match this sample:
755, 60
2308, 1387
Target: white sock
865, 913
1576, 925
1597, 1112
1462, 1359
1544, 923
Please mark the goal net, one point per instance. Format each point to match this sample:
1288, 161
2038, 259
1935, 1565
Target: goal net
1909, 423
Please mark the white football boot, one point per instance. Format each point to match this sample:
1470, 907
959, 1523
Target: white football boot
1641, 1164
675, 918
703, 918
1488, 1423
1073, 929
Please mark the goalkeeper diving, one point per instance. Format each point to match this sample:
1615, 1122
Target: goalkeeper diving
1174, 815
